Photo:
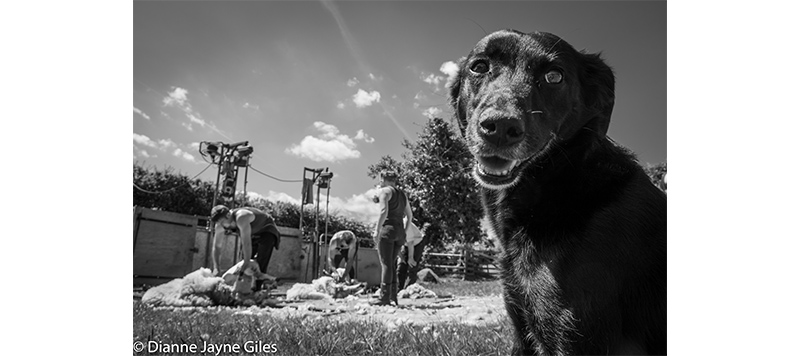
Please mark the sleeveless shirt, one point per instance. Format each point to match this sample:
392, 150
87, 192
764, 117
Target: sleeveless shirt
261, 222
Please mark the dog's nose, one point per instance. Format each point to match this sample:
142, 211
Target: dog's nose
502, 131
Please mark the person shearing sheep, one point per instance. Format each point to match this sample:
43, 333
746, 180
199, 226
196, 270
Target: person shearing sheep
343, 246
257, 232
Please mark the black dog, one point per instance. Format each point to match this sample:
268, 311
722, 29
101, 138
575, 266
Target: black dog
584, 231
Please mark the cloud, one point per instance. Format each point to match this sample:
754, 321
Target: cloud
251, 106
373, 77
162, 145
432, 79
178, 97
184, 155
340, 105
431, 112
141, 153
358, 207
144, 140
319, 150
276, 196
352, 82
450, 69
166, 143
141, 113
363, 99
360, 135
329, 145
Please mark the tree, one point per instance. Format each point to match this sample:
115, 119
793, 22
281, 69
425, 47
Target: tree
170, 191
657, 174
436, 174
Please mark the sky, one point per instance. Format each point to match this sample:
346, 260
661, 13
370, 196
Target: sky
338, 85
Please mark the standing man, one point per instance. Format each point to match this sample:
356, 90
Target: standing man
411, 256
390, 234
343, 246
257, 232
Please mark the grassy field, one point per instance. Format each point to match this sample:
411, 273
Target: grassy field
224, 327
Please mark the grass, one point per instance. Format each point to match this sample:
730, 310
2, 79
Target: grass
310, 335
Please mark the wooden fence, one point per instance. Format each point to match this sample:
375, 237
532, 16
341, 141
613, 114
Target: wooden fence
470, 265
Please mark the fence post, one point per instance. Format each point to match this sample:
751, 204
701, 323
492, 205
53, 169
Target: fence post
466, 255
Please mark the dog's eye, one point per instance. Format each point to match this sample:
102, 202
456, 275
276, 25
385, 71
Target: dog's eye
553, 77
480, 66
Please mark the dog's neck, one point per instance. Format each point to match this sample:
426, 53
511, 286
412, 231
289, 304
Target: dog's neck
572, 179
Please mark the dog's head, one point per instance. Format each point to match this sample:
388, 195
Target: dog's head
519, 96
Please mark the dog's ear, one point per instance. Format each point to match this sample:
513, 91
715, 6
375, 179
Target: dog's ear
597, 83
456, 103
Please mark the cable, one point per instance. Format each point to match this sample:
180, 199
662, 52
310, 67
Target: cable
278, 179
173, 188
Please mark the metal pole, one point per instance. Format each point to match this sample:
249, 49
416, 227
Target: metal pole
302, 203
219, 172
235, 169
316, 237
244, 190
327, 203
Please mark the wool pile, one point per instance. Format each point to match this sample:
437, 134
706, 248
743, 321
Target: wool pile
416, 291
202, 288
324, 287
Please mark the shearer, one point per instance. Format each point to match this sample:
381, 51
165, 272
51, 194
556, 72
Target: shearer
257, 231
390, 234
343, 246
411, 255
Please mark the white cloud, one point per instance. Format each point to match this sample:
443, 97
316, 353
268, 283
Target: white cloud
196, 120
251, 106
162, 145
194, 145
352, 82
340, 105
184, 155
177, 97
141, 153
364, 99
328, 146
432, 79
144, 140
141, 113
431, 112
278, 196
358, 207
166, 143
319, 150
450, 69
361, 135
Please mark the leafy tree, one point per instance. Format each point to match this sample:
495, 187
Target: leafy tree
657, 174
436, 174
166, 190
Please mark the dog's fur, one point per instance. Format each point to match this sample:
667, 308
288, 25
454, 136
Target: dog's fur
582, 227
